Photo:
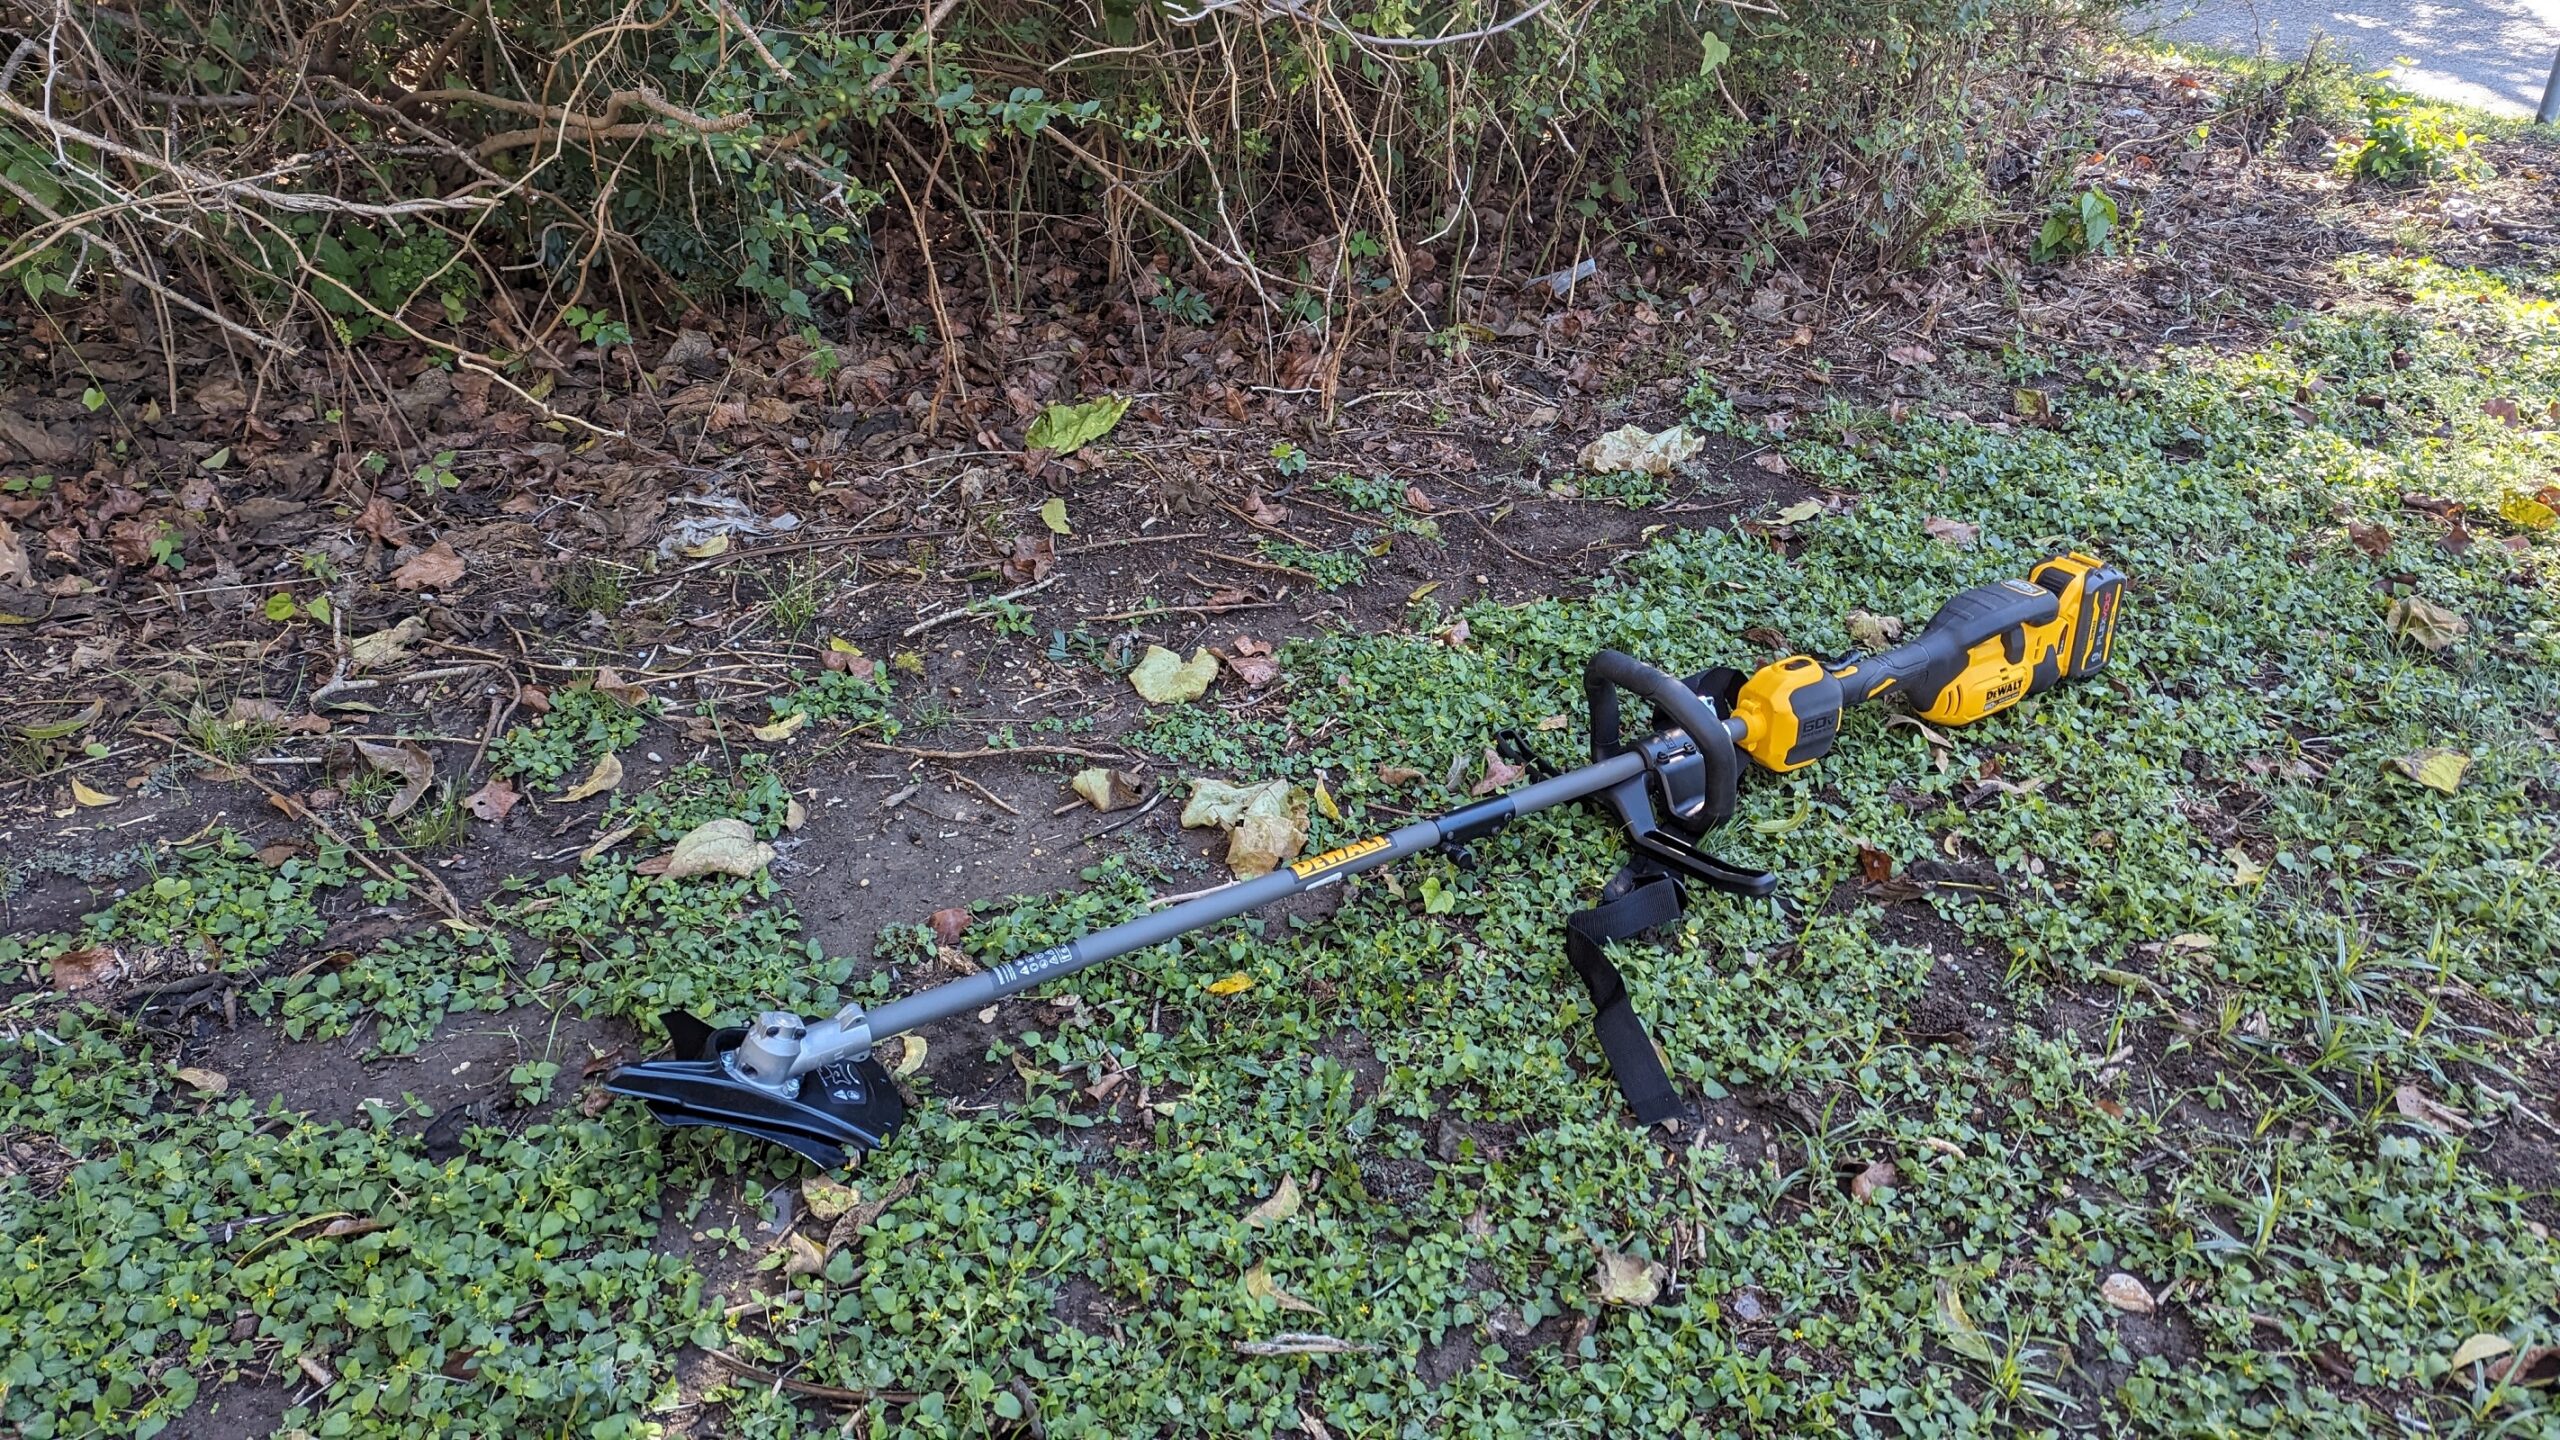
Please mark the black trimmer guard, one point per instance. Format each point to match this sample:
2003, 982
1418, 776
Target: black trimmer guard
839, 1111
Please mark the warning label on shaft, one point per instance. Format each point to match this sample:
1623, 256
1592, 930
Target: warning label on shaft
1032, 967
1335, 859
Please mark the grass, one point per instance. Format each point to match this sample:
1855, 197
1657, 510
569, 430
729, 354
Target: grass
2229, 943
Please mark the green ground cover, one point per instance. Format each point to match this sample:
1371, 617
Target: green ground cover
2229, 941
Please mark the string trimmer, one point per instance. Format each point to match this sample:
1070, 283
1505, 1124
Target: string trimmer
813, 1085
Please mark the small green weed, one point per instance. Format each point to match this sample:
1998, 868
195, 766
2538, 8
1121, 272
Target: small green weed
438, 821
2083, 224
1333, 569
218, 901
588, 586
841, 695
582, 727
692, 794
791, 597
2407, 141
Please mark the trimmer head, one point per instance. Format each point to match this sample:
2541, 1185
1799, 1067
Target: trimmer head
838, 1111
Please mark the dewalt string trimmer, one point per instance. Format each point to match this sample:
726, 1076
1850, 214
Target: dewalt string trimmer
813, 1085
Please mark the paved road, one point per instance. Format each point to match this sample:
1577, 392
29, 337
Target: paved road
2495, 54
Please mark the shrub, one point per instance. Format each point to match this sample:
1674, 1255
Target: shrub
412, 165
2406, 141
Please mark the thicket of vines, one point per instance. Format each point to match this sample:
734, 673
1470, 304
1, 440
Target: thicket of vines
502, 172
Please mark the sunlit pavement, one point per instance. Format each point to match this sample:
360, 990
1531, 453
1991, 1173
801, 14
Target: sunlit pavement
2495, 54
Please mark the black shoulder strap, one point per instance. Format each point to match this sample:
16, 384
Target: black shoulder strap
1637, 899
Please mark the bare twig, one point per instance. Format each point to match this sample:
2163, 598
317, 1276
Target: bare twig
1299, 1342
990, 752
809, 1388
973, 607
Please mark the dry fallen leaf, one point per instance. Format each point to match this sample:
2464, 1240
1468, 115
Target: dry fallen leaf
950, 923
1398, 775
1951, 532
1254, 667
380, 521
1627, 1280
2436, 768
2374, 540
910, 1056
1107, 789
211, 1082
433, 568
1874, 866
80, 969
1498, 772
827, 1198
718, 847
1164, 678
492, 801
1874, 632
1874, 1181
606, 775
14, 567
609, 681
409, 761
1259, 1284
2416, 1104
1283, 1203
2127, 1294
1632, 447
2422, 623
782, 729
1266, 824
806, 1256
2479, 1347
385, 648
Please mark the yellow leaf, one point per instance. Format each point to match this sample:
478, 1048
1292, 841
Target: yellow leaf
1799, 512
1786, 824
2526, 513
1283, 1203
2191, 941
1324, 802
804, 1256
2480, 1347
1163, 678
715, 546
842, 646
2438, 769
2245, 871
1053, 513
911, 1059
86, 796
1259, 1284
1235, 984
1627, 1280
2429, 626
827, 1198
782, 729
606, 775
1421, 590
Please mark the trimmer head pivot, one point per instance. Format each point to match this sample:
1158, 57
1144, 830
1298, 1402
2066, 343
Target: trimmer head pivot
834, 1113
